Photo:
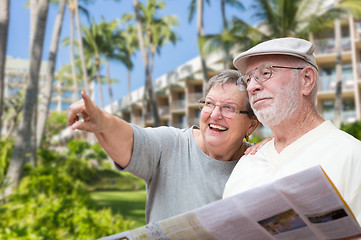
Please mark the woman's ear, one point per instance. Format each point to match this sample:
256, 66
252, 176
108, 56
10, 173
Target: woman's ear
309, 79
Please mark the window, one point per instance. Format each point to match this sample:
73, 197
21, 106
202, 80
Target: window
65, 106
52, 106
67, 95
348, 110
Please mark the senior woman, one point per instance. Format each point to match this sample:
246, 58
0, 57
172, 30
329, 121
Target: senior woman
183, 168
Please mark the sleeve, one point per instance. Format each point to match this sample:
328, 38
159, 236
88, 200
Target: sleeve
148, 147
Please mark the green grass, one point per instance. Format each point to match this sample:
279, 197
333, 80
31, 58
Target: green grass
110, 180
130, 204
122, 192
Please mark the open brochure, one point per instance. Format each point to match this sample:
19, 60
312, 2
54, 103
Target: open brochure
301, 206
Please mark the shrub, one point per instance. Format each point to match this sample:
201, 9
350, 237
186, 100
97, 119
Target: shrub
353, 128
52, 201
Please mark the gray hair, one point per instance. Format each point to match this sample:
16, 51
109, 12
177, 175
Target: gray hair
223, 77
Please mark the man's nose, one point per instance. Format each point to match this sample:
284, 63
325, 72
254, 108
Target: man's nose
254, 85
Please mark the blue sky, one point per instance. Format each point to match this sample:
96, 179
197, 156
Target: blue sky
170, 58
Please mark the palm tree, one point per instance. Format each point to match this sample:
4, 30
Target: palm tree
153, 33
13, 110
115, 48
296, 18
338, 94
93, 41
48, 88
81, 49
25, 130
227, 47
199, 4
4, 26
130, 35
300, 18
226, 39
71, 49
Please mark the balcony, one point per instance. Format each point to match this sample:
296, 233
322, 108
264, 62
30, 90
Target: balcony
194, 97
163, 110
328, 82
358, 29
149, 117
347, 116
138, 121
180, 125
193, 121
327, 45
178, 105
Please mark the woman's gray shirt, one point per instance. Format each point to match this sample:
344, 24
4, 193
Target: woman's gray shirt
179, 176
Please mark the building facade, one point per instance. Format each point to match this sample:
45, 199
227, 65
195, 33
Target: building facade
177, 92
16, 79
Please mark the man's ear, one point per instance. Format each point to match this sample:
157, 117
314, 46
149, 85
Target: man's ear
253, 126
309, 79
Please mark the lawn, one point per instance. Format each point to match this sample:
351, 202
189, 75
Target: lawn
130, 204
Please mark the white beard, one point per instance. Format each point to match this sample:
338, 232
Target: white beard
285, 103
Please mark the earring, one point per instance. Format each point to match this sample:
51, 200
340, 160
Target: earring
246, 137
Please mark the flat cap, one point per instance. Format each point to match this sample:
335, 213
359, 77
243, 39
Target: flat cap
284, 46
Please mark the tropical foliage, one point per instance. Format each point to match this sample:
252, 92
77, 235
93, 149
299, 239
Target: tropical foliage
352, 128
52, 200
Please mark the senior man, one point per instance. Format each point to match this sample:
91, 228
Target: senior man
281, 78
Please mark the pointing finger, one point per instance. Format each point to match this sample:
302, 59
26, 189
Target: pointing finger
88, 103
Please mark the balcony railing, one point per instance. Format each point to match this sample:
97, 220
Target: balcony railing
194, 97
358, 25
149, 116
178, 104
164, 110
328, 45
138, 121
193, 121
347, 116
328, 82
179, 125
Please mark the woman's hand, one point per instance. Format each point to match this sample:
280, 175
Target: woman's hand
253, 149
93, 117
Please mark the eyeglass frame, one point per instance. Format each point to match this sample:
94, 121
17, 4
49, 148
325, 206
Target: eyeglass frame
203, 102
240, 82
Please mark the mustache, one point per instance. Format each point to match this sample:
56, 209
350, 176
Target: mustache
258, 96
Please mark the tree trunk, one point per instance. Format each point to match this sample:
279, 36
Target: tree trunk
100, 89
18, 108
32, 159
109, 87
200, 33
72, 56
48, 88
4, 27
226, 47
150, 92
338, 95
130, 85
148, 77
81, 48
22, 141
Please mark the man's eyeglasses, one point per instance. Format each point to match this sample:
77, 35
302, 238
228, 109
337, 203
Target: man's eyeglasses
227, 110
260, 74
